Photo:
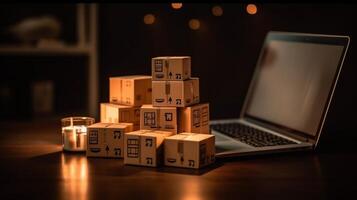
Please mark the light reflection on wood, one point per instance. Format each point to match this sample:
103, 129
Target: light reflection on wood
75, 175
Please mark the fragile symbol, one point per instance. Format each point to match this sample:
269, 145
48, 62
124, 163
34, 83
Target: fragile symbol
107, 149
117, 151
178, 101
149, 161
178, 76
168, 116
148, 142
170, 100
170, 75
191, 163
117, 134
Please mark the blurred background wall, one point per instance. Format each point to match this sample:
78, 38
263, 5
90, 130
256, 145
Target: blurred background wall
224, 52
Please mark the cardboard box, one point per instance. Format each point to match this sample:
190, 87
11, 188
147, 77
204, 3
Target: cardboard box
194, 119
189, 150
175, 93
158, 118
144, 147
113, 113
107, 139
130, 90
171, 68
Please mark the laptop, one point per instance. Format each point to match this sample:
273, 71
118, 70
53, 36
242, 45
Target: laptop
288, 98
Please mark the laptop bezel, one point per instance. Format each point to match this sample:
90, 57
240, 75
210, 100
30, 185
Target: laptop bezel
297, 37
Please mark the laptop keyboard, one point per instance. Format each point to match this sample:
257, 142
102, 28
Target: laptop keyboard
250, 135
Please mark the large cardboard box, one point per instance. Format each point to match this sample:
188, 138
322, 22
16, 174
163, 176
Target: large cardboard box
176, 93
144, 147
189, 150
194, 119
130, 90
107, 139
171, 68
158, 118
113, 113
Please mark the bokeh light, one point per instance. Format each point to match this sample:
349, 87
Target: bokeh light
194, 24
149, 19
252, 9
217, 11
176, 5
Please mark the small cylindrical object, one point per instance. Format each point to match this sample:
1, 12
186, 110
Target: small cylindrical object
74, 133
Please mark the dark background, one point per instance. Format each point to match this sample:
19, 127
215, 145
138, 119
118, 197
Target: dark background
224, 52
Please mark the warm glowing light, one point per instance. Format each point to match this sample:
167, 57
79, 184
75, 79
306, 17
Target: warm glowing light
194, 24
75, 176
149, 19
176, 5
193, 189
252, 9
217, 11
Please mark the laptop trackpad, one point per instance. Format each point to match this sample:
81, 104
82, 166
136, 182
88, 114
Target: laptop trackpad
225, 143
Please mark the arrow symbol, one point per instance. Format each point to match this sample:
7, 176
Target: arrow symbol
107, 149
170, 74
170, 100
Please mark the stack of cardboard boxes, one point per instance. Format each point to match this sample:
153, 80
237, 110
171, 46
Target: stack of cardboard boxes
175, 109
119, 116
155, 120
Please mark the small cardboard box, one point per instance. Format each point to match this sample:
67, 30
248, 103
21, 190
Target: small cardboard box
176, 68
158, 118
175, 93
107, 139
130, 90
189, 150
194, 119
113, 113
144, 147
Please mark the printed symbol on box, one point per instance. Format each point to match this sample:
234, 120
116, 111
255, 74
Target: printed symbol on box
170, 100
196, 117
150, 119
148, 142
127, 83
205, 115
93, 137
168, 116
107, 149
191, 163
133, 148
117, 151
180, 151
170, 75
117, 134
178, 76
158, 65
178, 101
149, 161
128, 100
202, 154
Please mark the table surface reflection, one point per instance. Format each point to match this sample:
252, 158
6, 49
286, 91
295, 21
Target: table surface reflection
32, 165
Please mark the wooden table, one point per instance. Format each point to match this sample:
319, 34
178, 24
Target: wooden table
32, 165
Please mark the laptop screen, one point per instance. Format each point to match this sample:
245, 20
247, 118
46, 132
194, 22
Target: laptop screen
293, 82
